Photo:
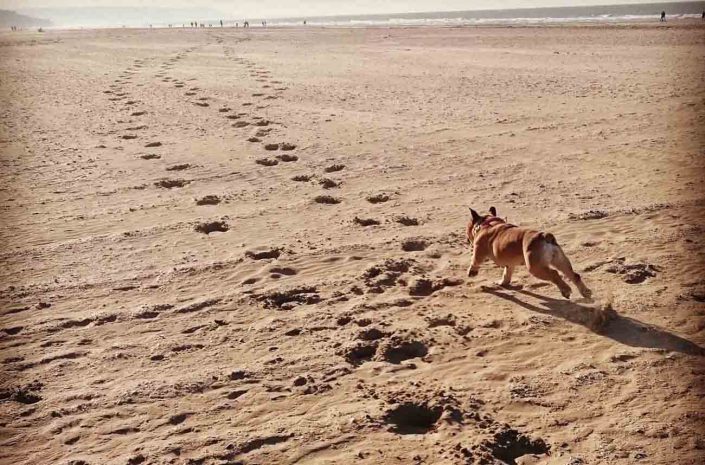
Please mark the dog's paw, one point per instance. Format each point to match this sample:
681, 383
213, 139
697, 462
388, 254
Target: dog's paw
509, 286
566, 293
472, 273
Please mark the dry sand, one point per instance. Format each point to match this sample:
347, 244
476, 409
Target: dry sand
173, 293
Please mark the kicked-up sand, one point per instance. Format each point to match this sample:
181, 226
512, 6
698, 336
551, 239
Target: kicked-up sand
224, 246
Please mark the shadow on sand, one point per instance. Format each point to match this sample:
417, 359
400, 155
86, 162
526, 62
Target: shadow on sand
606, 322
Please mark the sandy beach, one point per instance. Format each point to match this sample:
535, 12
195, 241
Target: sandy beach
223, 246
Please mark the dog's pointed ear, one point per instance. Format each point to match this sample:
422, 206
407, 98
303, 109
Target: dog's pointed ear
475, 216
493, 211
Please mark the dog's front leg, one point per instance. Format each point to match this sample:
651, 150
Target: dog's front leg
477, 259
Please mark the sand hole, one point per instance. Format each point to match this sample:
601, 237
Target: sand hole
212, 226
361, 353
398, 352
287, 158
263, 254
180, 167
24, 396
267, 161
508, 445
413, 418
378, 198
588, 215
171, 183
208, 200
283, 270
365, 221
371, 334
290, 298
407, 221
327, 183
326, 199
414, 245
633, 273
333, 168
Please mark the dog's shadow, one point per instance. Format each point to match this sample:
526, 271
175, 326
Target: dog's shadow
608, 323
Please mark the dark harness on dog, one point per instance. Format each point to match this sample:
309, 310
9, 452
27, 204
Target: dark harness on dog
488, 223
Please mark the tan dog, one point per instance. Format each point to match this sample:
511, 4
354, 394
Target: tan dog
508, 246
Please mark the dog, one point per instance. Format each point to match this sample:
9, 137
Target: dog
509, 246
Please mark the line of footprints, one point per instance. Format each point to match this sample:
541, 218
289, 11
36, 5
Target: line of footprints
263, 130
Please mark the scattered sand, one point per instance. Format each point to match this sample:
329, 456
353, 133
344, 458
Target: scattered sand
243, 314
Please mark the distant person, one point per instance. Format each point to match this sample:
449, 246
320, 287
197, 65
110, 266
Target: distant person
304, 22
246, 24
663, 17
221, 23
703, 18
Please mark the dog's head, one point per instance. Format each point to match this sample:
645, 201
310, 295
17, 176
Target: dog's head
476, 221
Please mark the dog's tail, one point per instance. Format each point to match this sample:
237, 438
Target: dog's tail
560, 262
550, 238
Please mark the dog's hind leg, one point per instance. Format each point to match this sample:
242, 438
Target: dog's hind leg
506, 276
545, 273
539, 256
562, 264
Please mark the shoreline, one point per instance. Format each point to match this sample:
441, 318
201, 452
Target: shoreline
689, 23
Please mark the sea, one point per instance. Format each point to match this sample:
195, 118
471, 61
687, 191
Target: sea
114, 17
523, 16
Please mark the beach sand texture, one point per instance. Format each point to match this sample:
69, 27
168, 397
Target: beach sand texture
224, 246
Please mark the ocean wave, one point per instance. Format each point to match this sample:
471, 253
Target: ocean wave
457, 21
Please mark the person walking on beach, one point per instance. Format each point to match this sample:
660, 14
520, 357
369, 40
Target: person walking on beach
663, 17
221, 23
